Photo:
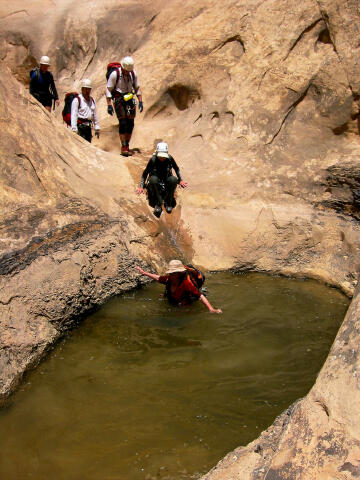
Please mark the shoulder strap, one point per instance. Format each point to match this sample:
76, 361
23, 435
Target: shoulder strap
190, 278
37, 71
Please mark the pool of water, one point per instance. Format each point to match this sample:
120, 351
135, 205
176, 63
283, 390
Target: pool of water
143, 390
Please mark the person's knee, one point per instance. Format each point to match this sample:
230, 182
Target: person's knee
172, 181
153, 180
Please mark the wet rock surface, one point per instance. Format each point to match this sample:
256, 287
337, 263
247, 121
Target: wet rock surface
259, 102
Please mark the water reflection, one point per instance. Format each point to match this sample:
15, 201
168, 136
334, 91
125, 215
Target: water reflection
145, 390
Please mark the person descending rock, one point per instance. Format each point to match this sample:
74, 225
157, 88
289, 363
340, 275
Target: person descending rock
83, 112
161, 184
180, 288
42, 85
121, 86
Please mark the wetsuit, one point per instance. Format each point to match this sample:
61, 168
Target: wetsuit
42, 87
180, 290
161, 182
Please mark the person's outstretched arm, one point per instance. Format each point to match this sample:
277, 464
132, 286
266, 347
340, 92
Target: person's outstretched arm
148, 274
207, 304
146, 172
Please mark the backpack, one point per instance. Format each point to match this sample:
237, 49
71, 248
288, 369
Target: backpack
37, 71
66, 113
192, 275
196, 276
117, 67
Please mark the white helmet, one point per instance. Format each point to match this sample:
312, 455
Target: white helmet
86, 83
162, 150
44, 60
127, 64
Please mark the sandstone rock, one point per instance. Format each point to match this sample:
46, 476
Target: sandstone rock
258, 102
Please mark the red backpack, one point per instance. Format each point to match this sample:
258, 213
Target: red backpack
66, 113
197, 277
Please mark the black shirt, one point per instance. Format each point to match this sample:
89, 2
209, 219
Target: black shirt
160, 168
42, 83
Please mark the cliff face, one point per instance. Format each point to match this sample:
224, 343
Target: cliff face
258, 102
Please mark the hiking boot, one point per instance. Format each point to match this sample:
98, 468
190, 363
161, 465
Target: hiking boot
157, 211
125, 152
168, 208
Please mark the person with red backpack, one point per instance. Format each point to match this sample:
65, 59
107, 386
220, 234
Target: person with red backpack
182, 284
122, 85
83, 112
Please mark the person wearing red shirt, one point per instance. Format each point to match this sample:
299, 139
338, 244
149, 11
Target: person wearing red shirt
180, 290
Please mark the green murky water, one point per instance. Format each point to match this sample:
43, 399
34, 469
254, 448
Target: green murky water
143, 390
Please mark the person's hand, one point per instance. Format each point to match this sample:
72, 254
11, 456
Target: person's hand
57, 103
74, 130
110, 110
140, 190
183, 184
97, 133
216, 310
141, 106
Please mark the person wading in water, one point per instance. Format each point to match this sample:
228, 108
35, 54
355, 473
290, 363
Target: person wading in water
180, 287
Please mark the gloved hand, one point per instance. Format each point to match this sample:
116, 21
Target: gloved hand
110, 110
97, 133
141, 106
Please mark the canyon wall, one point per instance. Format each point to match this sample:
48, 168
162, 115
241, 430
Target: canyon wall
258, 101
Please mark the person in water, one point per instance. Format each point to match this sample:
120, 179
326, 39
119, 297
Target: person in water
180, 288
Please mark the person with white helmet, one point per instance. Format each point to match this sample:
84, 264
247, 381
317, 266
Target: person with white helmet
83, 113
121, 86
161, 184
42, 85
